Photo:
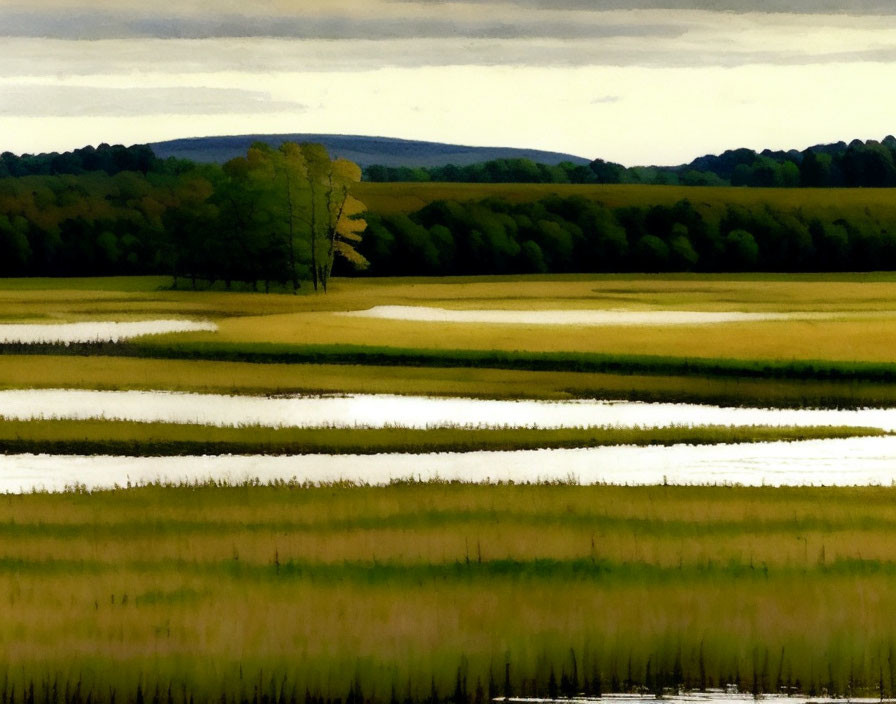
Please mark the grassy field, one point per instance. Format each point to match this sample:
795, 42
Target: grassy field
103, 437
387, 198
205, 376
861, 328
443, 592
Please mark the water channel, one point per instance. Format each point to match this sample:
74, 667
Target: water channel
380, 410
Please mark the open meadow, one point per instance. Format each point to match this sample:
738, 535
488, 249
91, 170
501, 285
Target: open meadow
832, 343
426, 592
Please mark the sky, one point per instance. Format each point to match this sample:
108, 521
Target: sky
632, 81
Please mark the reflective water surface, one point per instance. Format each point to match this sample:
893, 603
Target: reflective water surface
847, 462
708, 697
573, 317
379, 410
97, 331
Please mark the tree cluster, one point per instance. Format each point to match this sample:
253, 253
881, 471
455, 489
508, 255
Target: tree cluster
578, 235
108, 159
275, 216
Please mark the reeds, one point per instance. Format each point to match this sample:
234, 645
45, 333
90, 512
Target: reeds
119, 373
442, 592
126, 438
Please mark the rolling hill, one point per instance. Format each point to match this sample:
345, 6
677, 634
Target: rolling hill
364, 151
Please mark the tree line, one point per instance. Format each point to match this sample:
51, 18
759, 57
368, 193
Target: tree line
575, 234
274, 216
282, 217
840, 165
857, 164
110, 159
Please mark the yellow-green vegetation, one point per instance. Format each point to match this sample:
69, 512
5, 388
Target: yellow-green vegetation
94, 437
387, 198
861, 329
204, 376
443, 592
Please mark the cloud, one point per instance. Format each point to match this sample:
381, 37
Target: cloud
83, 101
807, 7
428, 23
283, 37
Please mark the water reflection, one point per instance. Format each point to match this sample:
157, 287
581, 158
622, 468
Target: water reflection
846, 462
426, 314
379, 410
96, 331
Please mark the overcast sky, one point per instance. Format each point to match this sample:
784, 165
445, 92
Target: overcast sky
635, 81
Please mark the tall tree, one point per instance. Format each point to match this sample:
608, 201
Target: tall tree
333, 222
344, 225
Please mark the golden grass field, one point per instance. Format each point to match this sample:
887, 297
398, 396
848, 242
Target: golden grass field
204, 591
387, 198
861, 327
243, 378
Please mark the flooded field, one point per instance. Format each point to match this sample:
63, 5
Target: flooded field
847, 462
574, 317
95, 331
381, 410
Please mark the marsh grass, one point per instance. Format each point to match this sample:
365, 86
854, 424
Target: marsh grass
595, 363
442, 592
108, 437
235, 378
862, 326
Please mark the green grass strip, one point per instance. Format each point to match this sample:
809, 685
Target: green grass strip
170, 439
272, 353
471, 569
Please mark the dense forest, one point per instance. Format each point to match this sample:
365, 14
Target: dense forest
281, 217
857, 164
575, 234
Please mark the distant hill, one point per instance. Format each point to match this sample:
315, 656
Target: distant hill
364, 151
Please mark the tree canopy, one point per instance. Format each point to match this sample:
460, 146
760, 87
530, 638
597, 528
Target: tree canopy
274, 216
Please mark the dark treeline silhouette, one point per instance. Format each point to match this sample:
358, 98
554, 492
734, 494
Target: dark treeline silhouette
857, 164
579, 235
105, 158
494, 171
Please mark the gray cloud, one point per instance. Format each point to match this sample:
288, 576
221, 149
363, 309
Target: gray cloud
83, 101
52, 58
93, 24
802, 7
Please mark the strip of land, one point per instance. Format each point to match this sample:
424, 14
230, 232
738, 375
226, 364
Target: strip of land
103, 437
53, 371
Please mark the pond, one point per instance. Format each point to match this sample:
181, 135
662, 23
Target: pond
574, 317
380, 410
95, 331
847, 462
